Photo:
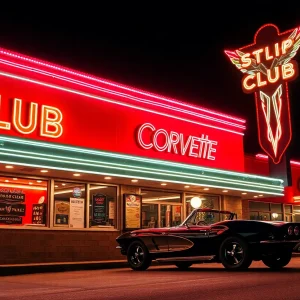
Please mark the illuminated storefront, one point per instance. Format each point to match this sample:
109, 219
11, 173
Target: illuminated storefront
285, 208
83, 159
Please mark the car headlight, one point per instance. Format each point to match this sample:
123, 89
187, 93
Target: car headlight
296, 230
290, 230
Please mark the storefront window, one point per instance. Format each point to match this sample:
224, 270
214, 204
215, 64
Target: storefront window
288, 209
161, 209
102, 205
265, 211
296, 213
207, 201
150, 215
69, 204
23, 201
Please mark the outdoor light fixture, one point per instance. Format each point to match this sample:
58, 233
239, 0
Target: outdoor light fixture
196, 202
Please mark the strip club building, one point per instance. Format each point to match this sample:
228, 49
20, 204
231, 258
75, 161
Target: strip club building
83, 159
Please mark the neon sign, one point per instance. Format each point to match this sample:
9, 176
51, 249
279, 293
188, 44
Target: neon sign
50, 120
161, 140
268, 66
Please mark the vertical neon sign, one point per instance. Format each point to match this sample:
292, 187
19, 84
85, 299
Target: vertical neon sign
268, 66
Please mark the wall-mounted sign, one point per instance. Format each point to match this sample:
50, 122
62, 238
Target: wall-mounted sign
268, 66
161, 140
99, 206
132, 211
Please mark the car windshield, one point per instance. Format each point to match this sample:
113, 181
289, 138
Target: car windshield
206, 217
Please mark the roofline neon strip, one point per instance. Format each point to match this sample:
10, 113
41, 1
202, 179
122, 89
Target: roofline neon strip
113, 101
113, 84
77, 82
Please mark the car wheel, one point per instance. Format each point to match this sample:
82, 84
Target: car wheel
182, 265
138, 256
277, 261
235, 254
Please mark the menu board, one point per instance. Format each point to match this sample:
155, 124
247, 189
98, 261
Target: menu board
99, 205
132, 211
38, 213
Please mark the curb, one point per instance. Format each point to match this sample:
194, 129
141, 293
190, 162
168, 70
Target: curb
10, 270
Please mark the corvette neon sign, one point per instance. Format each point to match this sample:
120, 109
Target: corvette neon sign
161, 140
268, 66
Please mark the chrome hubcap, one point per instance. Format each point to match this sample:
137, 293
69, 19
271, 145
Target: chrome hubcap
234, 253
137, 255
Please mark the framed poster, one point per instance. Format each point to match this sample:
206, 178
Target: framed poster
132, 211
76, 213
62, 212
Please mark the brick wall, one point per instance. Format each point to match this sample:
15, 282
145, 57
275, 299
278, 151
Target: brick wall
49, 246
233, 204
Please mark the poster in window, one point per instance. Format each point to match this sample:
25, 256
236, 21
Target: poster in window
76, 213
99, 206
11, 195
12, 209
133, 211
10, 220
62, 212
39, 213
111, 210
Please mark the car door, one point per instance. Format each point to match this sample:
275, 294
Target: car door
193, 237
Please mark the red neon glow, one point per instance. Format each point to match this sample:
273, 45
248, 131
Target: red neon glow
53, 78
49, 124
267, 65
277, 105
265, 157
109, 125
111, 86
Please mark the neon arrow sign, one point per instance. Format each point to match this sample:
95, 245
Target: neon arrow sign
268, 65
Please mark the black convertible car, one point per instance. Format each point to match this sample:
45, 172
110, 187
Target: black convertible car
209, 235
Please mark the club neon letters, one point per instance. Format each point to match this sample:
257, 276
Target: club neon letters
286, 71
50, 120
174, 142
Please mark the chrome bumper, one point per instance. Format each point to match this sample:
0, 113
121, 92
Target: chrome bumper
296, 248
279, 242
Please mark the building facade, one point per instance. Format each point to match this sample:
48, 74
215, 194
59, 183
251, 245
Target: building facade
284, 208
83, 159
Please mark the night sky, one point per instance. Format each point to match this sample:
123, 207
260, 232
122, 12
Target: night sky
171, 49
